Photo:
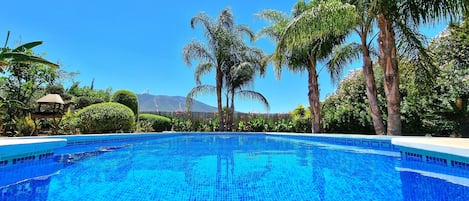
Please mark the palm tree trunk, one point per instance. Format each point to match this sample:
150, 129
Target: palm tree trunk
227, 111
219, 83
387, 48
313, 95
371, 89
232, 110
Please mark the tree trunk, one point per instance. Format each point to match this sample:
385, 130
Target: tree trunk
465, 128
232, 110
227, 112
219, 100
313, 95
371, 90
387, 49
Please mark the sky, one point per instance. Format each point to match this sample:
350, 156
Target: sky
137, 45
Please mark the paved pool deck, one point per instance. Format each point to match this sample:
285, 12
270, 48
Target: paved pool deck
10, 147
452, 146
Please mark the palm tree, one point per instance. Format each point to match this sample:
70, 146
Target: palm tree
349, 52
306, 38
220, 36
246, 62
239, 72
393, 15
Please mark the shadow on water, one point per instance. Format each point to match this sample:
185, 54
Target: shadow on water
30, 180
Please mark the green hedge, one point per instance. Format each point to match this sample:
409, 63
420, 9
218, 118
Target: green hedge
127, 98
158, 123
106, 118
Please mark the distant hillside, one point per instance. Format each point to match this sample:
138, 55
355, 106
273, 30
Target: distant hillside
161, 103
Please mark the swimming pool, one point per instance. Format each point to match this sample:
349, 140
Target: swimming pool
228, 167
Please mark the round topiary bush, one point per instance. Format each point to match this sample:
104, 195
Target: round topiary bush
106, 118
126, 98
158, 123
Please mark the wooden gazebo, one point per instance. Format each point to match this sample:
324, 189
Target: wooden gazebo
52, 107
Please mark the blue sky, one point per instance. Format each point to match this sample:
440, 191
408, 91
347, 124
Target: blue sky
137, 45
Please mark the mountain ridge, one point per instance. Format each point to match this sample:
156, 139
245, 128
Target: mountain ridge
164, 103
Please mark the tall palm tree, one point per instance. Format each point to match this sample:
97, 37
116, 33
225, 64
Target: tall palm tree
239, 72
215, 54
393, 15
349, 52
300, 50
246, 62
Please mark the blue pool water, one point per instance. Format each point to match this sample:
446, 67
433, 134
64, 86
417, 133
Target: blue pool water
227, 167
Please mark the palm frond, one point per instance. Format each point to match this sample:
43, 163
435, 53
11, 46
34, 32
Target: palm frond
412, 44
18, 57
197, 91
202, 69
279, 21
243, 29
196, 50
272, 16
27, 46
253, 95
326, 18
431, 11
340, 57
226, 18
208, 25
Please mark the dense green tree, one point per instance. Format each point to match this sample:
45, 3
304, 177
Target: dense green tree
451, 90
404, 16
306, 38
87, 95
345, 111
127, 98
24, 78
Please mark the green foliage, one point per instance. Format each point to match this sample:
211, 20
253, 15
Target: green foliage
182, 125
346, 111
26, 83
127, 98
158, 123
301, 118
253, 124
283, 125
106, 118
209, 125
440, 108
24, 126
144, 126
86, 95
70, 124
24, 79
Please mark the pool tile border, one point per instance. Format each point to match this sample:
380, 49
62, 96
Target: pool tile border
411, 148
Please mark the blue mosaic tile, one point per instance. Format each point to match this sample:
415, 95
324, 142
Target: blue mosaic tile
226, 167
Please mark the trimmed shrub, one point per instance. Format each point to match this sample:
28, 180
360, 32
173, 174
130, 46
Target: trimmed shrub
126, 98
106, 118
158, 123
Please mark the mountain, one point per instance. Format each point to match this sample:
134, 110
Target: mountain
152, 103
